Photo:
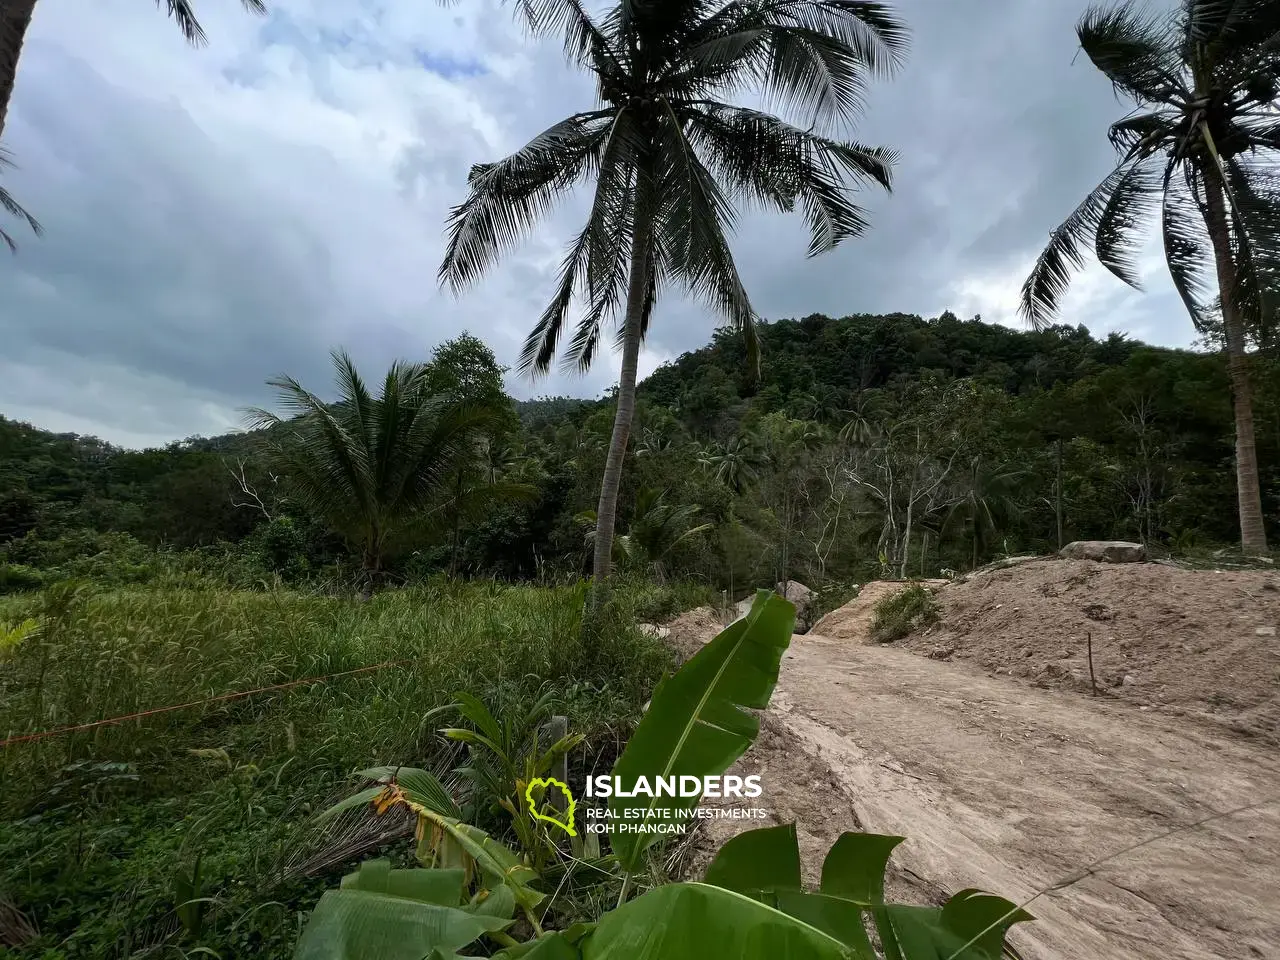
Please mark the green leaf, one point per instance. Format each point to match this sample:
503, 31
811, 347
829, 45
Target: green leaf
834, 916
982, 918
854, 870
419, 786
854, 866
361, 799
693, 921
696, 724
767, 859
498, 902
498, 865
362, 925
560, 945
443, 887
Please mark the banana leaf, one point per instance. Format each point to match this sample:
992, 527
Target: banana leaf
354, 924
696, 724
695, 921
765, 864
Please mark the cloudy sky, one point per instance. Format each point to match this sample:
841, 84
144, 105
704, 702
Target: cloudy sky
220, 215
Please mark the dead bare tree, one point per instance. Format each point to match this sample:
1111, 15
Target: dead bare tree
905, 475
247, 495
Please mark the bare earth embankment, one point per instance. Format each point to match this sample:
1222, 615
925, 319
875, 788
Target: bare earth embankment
1002, 784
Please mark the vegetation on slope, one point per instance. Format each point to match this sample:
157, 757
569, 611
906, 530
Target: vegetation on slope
100, 827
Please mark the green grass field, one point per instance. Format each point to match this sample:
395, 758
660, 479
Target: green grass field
101, 830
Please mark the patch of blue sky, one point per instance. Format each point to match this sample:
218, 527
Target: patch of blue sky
447, 65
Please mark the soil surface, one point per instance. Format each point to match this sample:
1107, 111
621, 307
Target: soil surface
853, 620
1199, 643
1018, 789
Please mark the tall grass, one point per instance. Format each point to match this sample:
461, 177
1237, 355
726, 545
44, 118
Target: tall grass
107, 815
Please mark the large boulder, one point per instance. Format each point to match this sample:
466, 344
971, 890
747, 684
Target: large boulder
1104, 551
792, 590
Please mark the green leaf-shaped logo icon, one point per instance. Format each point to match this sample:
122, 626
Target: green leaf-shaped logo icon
547, 783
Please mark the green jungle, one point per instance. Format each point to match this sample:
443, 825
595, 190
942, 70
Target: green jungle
433, 596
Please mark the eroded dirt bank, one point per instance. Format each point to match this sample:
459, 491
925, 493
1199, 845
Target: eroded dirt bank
1196, 643
1013, 788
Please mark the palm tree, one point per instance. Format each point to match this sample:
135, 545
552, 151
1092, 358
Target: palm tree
380, 469
15, 20
12, 207
986, 498
1200, 147
736, 463
656, 530
669, 157
863, 418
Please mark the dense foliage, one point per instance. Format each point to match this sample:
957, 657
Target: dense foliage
108, 835
867, 443
751, 903
1198, 154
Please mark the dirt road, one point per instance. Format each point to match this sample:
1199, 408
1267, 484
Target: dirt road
1013, 788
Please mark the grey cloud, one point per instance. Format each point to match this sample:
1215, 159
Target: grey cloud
185, 263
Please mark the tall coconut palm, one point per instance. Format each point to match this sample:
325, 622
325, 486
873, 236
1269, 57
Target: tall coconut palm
669, 157
13, 208
1200, 150
736, 463
15, 20
380, 470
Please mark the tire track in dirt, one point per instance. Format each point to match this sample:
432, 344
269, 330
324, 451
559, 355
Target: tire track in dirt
1013, 788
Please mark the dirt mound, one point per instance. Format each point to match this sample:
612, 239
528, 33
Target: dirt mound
852, 622
693, 628
1017, 790
1195, 642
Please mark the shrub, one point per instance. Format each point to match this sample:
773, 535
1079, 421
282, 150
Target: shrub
643, 601
17, 577
902, 613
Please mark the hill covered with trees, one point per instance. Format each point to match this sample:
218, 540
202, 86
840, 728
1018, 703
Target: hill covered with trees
866, 443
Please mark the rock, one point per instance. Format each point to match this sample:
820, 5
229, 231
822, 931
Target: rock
792, 590
1128, 680
1104, 551
802, 597
1265, 632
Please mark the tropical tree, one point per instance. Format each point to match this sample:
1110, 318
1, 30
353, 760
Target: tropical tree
657, 528
13, 208
736, 463
670, 156
985, 498
380, 470
15, 20
1200, 149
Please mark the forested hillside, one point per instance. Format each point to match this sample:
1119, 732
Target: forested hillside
866, 442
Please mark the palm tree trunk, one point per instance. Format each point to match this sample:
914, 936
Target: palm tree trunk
15, 19
607, 509
1253, 534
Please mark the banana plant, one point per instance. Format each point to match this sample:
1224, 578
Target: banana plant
750, 905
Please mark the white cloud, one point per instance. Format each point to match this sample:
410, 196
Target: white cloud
219, 215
